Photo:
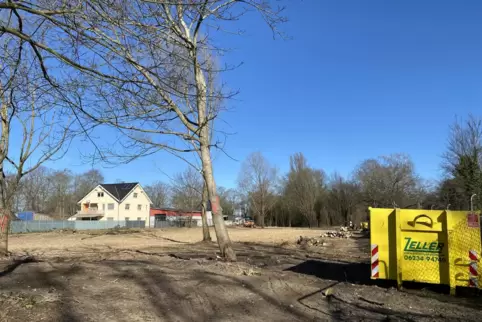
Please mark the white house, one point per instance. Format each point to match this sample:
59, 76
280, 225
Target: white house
118, 201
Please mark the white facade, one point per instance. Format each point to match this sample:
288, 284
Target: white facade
209, 219
197, 218
101, 205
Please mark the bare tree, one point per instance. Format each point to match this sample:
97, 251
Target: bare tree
35, 124
187, 194
388, 181
257, 180
343, 199
81, 185
463, 160
56, 192
304, 187
465, 139
159, 194
187, 190
153, 56
35, 189
280, 213
62, 189
229, 199
450, 193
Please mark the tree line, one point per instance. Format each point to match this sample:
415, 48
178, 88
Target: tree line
54, 192
57, 192
307, 196
304, 196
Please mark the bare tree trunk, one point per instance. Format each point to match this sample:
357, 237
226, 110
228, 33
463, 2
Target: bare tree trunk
4, 228
206, 233
222, 236
4, 145
315, 220
263, 214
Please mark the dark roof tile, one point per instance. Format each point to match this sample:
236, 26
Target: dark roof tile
119, 190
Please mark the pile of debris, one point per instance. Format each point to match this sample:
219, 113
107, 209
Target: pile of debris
337, 234
320, 241
342, 233
311, 241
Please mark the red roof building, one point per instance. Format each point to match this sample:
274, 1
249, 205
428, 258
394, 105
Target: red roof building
170, 212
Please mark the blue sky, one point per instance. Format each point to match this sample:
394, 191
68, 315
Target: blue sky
357, 80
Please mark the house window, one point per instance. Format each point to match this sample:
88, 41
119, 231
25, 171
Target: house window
110, 218
100, 194
135, 194
128, 206
139, 207
110, 206
127, 218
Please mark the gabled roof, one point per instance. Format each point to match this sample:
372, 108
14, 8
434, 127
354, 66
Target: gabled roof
119, 190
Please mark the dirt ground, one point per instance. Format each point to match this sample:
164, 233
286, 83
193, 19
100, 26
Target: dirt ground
168, 275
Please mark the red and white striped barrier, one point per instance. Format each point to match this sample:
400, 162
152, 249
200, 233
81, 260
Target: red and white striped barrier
473, 271
473, 256
473, 282
375, 264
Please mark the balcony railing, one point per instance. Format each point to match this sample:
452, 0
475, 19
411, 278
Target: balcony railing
90, 211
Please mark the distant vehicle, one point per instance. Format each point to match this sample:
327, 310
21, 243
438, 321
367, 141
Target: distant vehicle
249, 222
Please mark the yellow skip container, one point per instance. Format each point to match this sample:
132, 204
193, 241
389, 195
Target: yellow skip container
428, 246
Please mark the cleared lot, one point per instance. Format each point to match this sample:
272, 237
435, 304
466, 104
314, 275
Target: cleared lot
137, 238
168, 275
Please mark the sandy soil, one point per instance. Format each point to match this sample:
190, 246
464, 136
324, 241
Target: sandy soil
36, 242
167, 275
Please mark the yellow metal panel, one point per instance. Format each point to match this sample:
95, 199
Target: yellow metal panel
424, 246
398, 252
462, 239
380, 220
421, 220
432, 246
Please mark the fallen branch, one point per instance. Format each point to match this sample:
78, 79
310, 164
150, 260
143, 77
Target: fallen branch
371, 301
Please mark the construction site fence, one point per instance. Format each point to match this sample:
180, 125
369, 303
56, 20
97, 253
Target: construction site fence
179, 222
40, 225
